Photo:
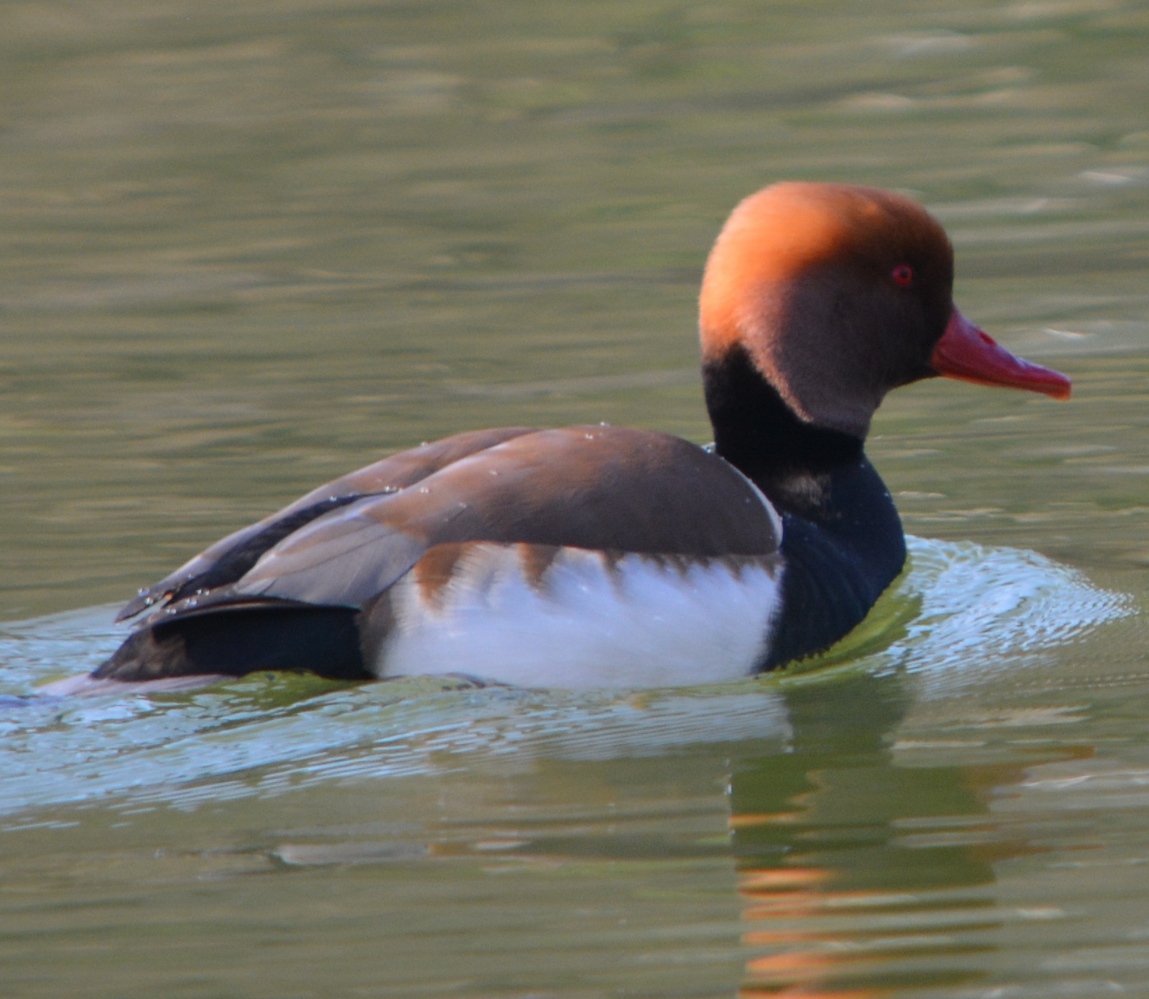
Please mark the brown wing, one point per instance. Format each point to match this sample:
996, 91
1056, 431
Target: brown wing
229, 558
597, 487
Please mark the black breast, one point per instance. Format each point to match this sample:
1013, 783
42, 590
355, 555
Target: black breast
837, 563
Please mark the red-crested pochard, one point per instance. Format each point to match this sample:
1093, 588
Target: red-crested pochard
603, 556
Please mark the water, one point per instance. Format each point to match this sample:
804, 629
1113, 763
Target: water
244, 248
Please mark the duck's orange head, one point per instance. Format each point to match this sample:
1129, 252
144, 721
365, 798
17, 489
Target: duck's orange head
837, 294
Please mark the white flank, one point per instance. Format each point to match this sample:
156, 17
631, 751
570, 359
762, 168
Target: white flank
637, 623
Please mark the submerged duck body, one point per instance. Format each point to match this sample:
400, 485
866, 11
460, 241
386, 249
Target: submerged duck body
605, 556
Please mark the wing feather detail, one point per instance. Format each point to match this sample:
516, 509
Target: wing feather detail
230, 558
600, 488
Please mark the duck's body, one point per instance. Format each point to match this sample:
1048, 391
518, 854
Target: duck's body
603, 556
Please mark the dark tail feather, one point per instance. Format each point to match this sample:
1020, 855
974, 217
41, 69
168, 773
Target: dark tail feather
322, 640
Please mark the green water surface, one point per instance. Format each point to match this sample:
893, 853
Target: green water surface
245, 247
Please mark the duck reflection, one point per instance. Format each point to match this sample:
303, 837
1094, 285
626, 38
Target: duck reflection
860, 876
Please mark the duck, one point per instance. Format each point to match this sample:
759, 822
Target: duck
602, 556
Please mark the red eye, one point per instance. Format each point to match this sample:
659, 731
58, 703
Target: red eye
903, 275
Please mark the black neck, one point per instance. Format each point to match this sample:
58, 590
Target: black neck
764, 439
842, 540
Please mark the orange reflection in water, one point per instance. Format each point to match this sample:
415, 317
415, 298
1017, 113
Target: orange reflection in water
863, 875
811, 959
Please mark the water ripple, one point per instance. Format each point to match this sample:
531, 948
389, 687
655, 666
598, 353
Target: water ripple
961, 610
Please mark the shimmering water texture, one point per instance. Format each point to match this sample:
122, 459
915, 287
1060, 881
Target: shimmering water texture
962, 615
848, 829
246, 247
